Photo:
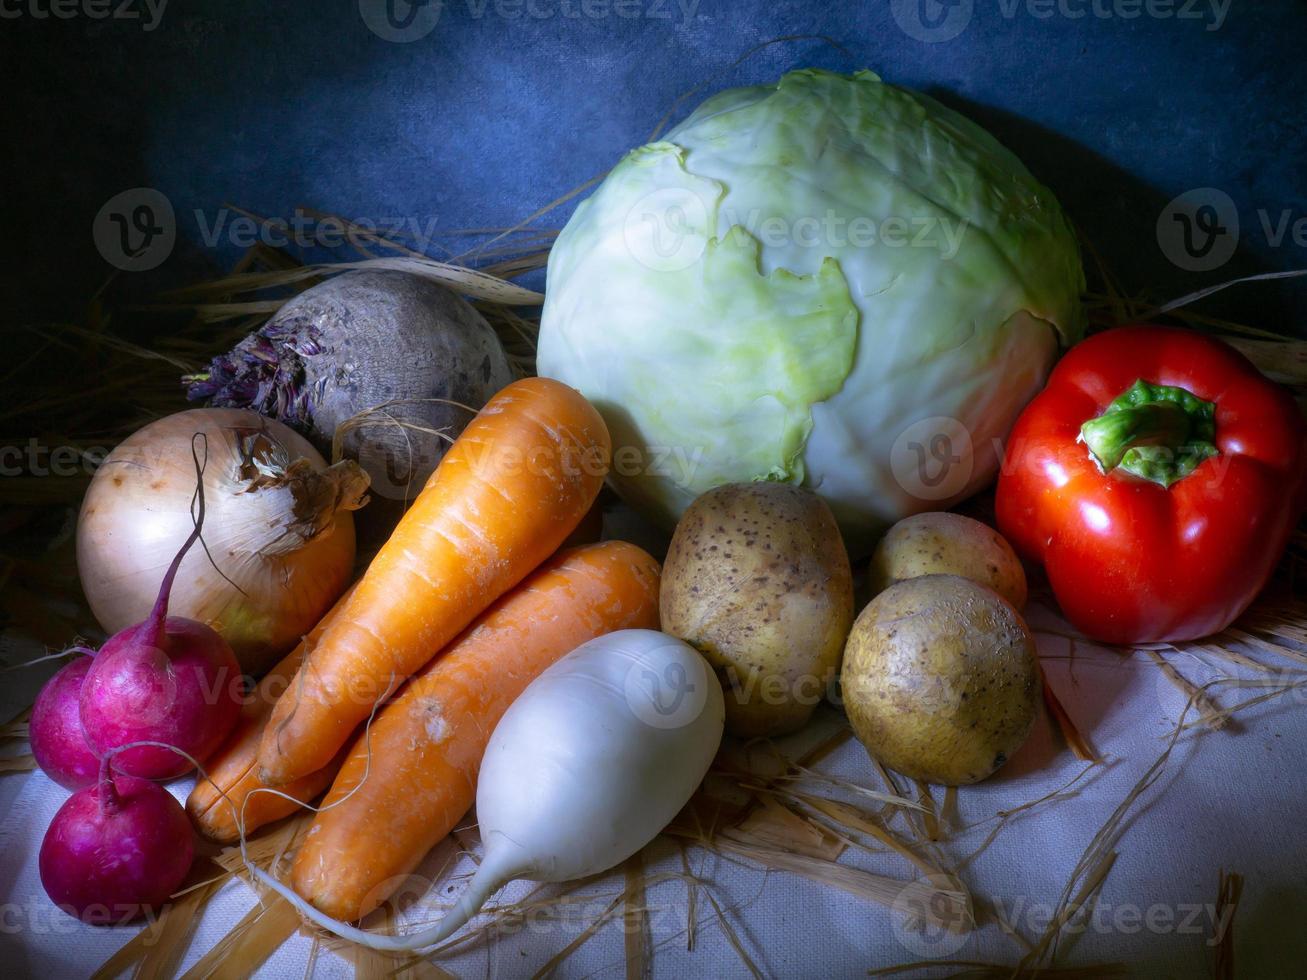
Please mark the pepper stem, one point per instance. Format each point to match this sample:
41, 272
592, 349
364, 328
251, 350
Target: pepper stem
1158, 433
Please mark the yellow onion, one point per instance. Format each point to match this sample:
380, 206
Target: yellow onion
278, 535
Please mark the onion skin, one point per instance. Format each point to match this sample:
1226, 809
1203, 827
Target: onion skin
185, 692
287, 540
115, 850
58, 740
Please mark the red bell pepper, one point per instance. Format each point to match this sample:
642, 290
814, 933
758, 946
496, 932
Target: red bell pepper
1157, 478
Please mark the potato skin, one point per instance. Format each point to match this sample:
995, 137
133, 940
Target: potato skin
941, 680
757, 579
943, 543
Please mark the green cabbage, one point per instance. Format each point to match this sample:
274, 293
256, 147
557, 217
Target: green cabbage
831, 281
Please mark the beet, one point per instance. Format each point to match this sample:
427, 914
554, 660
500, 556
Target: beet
358, 341
116, 849
55, 731
183, 690
168, 679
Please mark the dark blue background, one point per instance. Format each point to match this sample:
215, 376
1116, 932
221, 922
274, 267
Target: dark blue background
272, 106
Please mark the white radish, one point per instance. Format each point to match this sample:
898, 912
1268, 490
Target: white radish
586, 767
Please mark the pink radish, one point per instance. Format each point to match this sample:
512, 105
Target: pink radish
116, 849
55, 730
168, 680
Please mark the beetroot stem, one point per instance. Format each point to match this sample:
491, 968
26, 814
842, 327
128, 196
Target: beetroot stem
157, 622
107, 789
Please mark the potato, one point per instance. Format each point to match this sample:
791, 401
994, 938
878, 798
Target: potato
942, 543
758, 580
940, 679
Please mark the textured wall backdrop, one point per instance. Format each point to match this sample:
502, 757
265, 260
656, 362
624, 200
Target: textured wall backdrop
472, 113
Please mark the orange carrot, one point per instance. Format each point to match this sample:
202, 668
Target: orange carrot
427, 745
234, 767
505, 496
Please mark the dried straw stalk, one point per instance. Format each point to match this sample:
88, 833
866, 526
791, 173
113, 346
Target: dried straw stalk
1070, 733
1229, 891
